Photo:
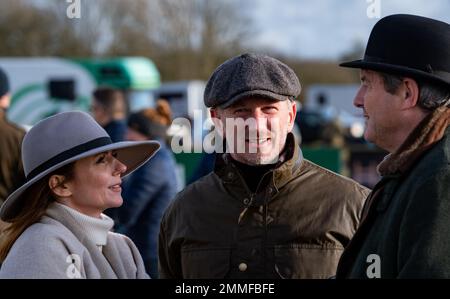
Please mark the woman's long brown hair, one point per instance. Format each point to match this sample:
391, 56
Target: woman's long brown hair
36, 200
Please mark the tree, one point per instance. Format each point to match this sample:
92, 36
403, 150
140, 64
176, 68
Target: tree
130, 27
30, 30
186, 39
196, 35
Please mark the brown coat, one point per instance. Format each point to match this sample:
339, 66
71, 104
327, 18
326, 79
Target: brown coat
11, 169
295, 226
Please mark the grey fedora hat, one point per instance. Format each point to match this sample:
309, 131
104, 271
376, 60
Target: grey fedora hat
65, 138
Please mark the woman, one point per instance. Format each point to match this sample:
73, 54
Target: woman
74, 172
149, 191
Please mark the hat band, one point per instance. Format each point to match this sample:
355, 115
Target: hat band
79, 149
368, 58
426, 69
372, 59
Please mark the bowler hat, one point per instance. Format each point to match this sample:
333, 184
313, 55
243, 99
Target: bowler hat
65, 138
408, 45
251, 75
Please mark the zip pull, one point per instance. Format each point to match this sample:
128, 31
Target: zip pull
241, 215
247, 202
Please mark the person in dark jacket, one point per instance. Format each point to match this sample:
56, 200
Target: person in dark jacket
11, 136
150, 190
109, 109
405, 96
265, 211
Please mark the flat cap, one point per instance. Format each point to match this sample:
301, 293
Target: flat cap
251, 75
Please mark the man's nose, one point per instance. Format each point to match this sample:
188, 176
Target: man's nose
259, 118
358, 101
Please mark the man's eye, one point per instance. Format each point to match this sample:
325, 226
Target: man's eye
271, 109
100, 159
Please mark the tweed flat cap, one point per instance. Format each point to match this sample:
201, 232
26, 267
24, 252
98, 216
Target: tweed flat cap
251, 75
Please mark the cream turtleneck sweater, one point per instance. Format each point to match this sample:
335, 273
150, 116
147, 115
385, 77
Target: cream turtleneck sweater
95, 229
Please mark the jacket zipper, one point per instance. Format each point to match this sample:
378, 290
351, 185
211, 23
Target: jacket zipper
249, 192
252, 195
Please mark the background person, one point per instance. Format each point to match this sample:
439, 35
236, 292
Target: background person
11, 168
148, 191
109, 109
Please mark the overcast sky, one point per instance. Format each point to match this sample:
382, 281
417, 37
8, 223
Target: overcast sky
325, 29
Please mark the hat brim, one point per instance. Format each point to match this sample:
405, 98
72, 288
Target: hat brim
131, 153
394, 69
253, 94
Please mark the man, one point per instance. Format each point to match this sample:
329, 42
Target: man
11, 169
405, 96
109, 109
265, 211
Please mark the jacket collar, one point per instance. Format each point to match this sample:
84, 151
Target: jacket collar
291, 163
429, 131
286, 167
